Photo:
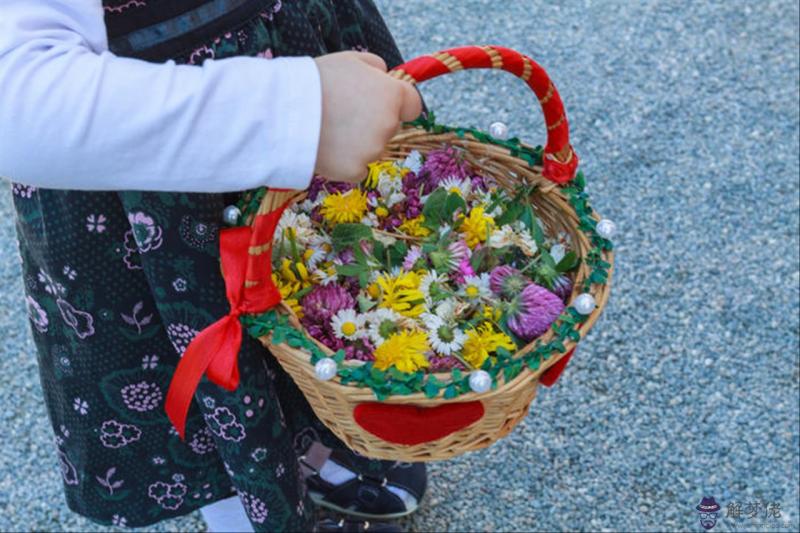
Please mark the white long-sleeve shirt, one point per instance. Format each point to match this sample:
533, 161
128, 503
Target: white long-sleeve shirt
75, 116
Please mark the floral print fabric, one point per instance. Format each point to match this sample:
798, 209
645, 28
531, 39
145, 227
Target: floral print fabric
118, 284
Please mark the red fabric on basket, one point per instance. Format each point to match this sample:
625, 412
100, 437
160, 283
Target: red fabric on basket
411, 424
215, 350
551, 375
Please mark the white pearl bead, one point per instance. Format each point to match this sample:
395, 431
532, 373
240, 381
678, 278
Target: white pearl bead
606, 228
480, 381
498, 130
584, 303
325, 369
230, 215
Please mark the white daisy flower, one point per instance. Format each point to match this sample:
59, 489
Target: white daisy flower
446, 310
325, 276
429, 281
306, 206
381, 323
502, 237
476, 287
317, 256
457, 185
347, 324
518, 236
391, 189
444, 338
299, 223
413, 161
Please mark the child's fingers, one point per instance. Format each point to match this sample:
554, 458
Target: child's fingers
372, 60
412, 102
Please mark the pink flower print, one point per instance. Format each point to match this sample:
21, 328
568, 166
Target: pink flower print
201, 54
143, 396
68, 471
131, 258
134, 319
180, 335
70, 273
122, 7
270, 13
50, 285
149, 362
266, 54
96, 223
81, 406
115, 434
255, 507
23, 191
222, 423
37, 315
108, 483
146, 232
179, 284
202, 442
167, 495
119, 521
80, 321
259, 454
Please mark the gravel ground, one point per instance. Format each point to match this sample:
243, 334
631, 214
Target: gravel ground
686, 119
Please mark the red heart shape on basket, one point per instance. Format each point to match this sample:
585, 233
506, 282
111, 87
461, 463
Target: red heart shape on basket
411, 424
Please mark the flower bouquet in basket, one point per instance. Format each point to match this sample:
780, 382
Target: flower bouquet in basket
426, 266
419, 310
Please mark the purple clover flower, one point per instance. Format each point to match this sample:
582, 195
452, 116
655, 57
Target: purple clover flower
443, 163
533, 312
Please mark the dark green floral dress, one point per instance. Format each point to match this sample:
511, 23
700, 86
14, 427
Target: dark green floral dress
117, 285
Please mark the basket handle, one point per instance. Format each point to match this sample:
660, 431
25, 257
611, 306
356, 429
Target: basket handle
559, 159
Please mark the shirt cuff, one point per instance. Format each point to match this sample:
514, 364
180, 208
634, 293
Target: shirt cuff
296, 133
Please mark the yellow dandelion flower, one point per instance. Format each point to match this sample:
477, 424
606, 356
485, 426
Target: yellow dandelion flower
344, 208
287, 289
491, 313
295, 273
414, 227
375, 170
482, 342
405, 350
476, 227
401, 293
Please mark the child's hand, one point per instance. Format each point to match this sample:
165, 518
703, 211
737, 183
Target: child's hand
362, 108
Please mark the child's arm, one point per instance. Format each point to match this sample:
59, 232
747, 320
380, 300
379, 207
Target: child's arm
74, 116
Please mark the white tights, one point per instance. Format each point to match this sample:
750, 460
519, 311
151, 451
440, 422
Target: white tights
226, 515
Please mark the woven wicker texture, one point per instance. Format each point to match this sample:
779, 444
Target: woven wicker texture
506, 405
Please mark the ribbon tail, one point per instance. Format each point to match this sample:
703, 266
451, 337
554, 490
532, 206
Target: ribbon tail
194, 363
224, 366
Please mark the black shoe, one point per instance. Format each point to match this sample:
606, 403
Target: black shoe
367, 495
330, 525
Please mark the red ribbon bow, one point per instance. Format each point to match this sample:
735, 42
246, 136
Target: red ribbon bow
215, 350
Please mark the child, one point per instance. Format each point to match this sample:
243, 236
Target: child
121, 270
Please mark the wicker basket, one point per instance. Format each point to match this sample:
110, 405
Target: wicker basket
503, 407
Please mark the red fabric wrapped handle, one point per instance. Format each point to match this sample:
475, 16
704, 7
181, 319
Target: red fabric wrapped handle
560, 161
